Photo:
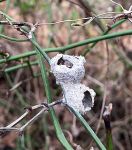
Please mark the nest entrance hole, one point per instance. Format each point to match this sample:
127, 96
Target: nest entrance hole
65, 62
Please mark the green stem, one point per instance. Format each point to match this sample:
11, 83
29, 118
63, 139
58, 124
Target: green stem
70, 46
17, 57
109, 143
43, 53
6, 16
88, 129
24, 65
106, 32
13, 39
57, 127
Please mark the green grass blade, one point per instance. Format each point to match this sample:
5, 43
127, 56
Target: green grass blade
70, 46
43, 53
20, 66
59, 132
104, 33
57, 127
109, 142
88, 129
12, 39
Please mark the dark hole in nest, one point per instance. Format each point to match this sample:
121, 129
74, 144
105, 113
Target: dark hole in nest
87, 100
76, 57
67, 63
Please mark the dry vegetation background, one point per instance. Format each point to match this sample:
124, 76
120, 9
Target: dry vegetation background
105, 70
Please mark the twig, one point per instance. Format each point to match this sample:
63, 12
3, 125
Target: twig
20, 66
127, 14
44, 106
70, 46
106, 117
18, 25
33, 119
105, 90
100, 16
13, 39
75, 145
29, 34
18, 84
88, 129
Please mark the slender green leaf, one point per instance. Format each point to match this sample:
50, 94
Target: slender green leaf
57, 127
88, 129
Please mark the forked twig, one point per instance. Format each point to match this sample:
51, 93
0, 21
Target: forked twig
74, 22
127, 14
44, 106
17, 25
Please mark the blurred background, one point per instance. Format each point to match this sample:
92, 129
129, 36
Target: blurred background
107, 72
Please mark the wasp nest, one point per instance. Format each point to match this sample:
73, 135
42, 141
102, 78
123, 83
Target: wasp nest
69, 71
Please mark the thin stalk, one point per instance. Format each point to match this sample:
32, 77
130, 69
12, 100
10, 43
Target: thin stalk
6, 16
24, 65
45, 131
28, 139
13, 39
57, 126
88, 129
18, 94
109, 142
104, 33
43, 53
107, 122
70, 46
17, 57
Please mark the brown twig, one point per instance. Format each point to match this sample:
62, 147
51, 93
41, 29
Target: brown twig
18, 25
44, 106
107, 121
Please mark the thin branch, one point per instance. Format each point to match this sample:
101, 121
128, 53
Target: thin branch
107, 121
88, 128
100, 16
13, 39
117, 4
44, 106
102, 109
33, 119
20, 66
17, 23
23, 116
70, 46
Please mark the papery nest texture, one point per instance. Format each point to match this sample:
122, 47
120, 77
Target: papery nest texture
69, 71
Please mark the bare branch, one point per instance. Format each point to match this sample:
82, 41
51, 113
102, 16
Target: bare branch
44, 106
